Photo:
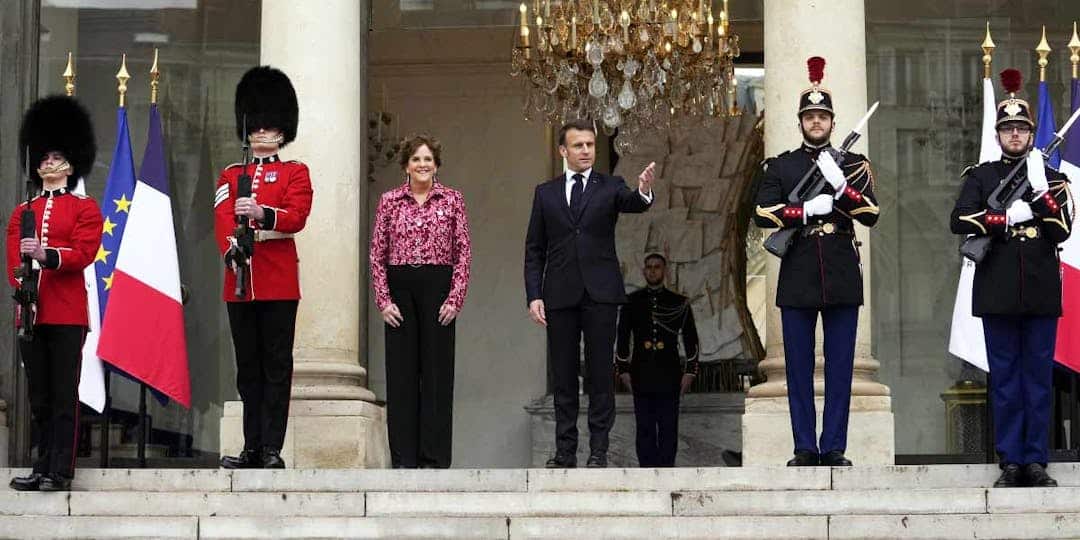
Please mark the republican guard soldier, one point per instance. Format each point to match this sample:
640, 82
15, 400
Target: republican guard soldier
56, 142
820, 273
650, 325
1017, 289
259, 206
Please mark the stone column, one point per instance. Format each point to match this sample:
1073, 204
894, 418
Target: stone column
332, 420
793, 34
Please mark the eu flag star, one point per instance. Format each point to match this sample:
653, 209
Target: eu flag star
108, 281
122, 204
102, 254
108, 226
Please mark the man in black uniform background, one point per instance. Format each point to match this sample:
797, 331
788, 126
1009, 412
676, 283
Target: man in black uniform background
1017, 289
820, 273
653, 320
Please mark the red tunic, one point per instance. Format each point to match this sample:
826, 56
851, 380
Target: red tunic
69, 227
283, 189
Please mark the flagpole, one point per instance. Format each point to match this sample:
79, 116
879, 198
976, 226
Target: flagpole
1074, 387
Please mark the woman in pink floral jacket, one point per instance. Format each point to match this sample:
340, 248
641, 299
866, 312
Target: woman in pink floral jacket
420, 257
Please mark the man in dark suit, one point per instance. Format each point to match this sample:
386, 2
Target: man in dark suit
574, 286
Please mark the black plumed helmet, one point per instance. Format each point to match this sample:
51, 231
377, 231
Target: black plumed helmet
58, 124
265, 97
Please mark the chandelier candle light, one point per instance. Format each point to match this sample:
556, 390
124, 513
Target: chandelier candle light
626, 64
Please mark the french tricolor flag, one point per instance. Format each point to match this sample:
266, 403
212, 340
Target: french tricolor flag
1067, 349
143, 329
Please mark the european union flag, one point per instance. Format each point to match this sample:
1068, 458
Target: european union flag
116, 206
1044, 130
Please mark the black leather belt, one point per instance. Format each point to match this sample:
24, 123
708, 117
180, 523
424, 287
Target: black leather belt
822, 229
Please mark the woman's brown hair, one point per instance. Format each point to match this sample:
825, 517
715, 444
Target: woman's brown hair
412, 143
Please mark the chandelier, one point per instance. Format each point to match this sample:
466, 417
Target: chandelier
629, 64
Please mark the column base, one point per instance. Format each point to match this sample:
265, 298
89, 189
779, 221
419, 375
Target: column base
767, 439
322, 434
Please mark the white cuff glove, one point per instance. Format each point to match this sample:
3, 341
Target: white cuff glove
1019, 212
818, 206
831, 171
1036, 172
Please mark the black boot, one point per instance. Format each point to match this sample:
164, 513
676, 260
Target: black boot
1010, 476
54, 482
803, 459
562, 461
597, 460
835, 459
271, 459
26, 483
1036, 476
248, 459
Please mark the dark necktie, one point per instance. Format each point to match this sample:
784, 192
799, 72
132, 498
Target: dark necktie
575, 193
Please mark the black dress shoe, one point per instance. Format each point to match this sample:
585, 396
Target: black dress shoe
1010, 476
835, 459
561, 461
597, 461
803, 459
248, 459
1036, 476
271, 459
54, 482
26, 483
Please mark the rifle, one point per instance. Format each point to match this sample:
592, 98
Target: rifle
26, 295
243, 241
811, 185
1009, 190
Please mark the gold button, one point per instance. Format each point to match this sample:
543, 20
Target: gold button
660, 345
648, 344
829, 228
1031, 232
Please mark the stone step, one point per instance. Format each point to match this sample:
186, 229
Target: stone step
219, 528
683, 528
810, 503
133, 528
936, 476
948, 527
519, 504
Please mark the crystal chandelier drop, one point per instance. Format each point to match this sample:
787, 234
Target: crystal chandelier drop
629, 64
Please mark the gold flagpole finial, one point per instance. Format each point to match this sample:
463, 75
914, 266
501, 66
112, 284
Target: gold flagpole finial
154, 74
122, 78
1044, 52
69, 76
988, 50
1074, 48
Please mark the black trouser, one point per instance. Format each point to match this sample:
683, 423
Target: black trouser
657, 416
262, 333
53, 362
420, 369
564, 331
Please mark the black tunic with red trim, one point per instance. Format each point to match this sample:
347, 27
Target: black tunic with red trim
69, 227
818, 270
1021, 273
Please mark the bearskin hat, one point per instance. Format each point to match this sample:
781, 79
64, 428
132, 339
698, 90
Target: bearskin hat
265, 97
57, 124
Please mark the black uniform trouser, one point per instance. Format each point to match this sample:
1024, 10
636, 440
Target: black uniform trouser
262, 333
565, 328
53, 363
420, 369
657, 415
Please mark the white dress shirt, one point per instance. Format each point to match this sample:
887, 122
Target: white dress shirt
585, 183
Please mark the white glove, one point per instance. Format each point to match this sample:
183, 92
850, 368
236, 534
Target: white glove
1036, 172
1019, 212
831, 171
818, 206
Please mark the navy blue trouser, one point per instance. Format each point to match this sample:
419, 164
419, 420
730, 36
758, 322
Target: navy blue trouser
657, 433
839, 325
1020, 351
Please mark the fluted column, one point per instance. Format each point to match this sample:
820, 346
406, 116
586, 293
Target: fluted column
792, 34
320, 46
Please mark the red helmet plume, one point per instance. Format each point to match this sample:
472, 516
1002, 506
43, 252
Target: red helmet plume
1012, 80
815, 65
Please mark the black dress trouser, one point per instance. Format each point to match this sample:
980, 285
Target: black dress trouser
420, 369
53, 364
565, 329
262, 333
657, 434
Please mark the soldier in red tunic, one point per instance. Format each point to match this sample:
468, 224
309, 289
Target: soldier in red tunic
271, 198
57, 143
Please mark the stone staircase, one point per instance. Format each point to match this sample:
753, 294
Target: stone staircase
942, 501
